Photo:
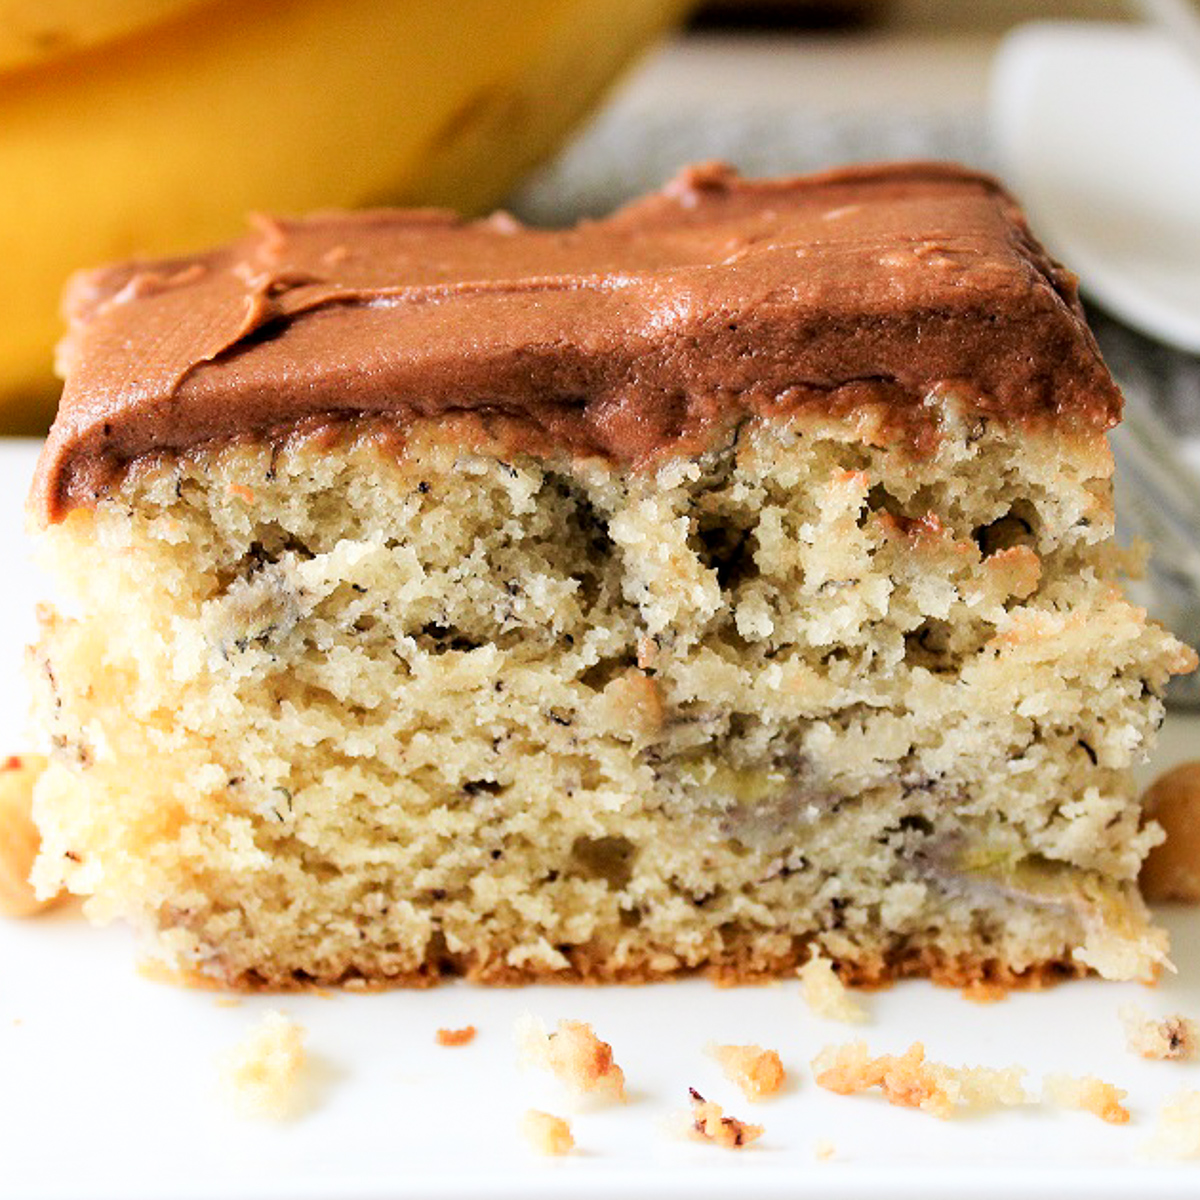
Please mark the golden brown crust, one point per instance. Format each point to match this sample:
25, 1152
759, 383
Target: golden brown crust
739, 964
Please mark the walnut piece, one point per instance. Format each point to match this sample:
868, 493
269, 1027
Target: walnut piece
1172, 870
709, 1124
1172, 1038
758, 1072
573, 1053
546, 1133
632, 705
19, 837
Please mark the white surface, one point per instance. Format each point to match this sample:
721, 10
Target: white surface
108, 1081
1099, 131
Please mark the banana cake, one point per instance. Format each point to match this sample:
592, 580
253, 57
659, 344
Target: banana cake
718, 583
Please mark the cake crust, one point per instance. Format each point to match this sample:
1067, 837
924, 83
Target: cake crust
591, 966
623, 337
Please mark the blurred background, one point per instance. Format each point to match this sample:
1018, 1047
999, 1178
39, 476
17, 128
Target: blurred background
153, 127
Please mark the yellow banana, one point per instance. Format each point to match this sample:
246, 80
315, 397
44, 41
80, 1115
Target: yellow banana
163, 141
33, 31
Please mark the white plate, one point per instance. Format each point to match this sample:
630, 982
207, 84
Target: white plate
108, 1081
1098, 128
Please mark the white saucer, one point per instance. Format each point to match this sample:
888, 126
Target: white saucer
1098, 130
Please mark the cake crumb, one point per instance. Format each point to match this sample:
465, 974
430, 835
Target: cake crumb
825, 994
575, 1054
1172, 1038
823, 1149
710, 1124
546, 1133
912, 1081
1088, 1094
758, 1072
1172, 869
265, 1073
1177, 1134
907, 1080
455, 1037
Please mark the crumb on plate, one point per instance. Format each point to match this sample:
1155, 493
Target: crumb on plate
758, 1072
1172, 1038
910, 1080
825, 993
546, 1133
455, 1037
823, 1149
265, 1073
574, 1054
1177, 1133
1088, 1094
710, 1124
1172, 869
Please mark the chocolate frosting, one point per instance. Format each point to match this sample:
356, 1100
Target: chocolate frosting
626, 337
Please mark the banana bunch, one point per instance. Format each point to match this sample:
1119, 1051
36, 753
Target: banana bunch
150, 127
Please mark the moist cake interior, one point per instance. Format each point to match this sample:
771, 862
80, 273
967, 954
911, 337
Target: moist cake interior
350, 707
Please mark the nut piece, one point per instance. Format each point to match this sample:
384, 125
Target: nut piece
19, 838
1172, 870
546, 1133
632, 706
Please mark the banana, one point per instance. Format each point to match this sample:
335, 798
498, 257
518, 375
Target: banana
33, 31
164, 141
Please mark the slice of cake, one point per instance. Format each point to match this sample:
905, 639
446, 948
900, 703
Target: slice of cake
722, 581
